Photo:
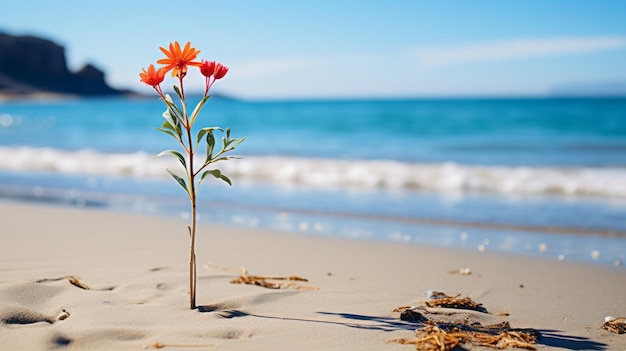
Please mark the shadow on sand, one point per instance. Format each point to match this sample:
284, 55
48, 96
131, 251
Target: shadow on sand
550, 338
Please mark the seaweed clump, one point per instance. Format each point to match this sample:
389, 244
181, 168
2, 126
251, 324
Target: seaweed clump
273, 282
439, 336
444, 335
615, 325
439, 299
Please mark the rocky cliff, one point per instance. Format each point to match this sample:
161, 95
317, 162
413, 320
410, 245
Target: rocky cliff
31, 65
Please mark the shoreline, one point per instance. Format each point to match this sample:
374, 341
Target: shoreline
136, 266
596, 246
435, 222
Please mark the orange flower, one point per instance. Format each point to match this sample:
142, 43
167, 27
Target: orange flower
179, 60
152, 76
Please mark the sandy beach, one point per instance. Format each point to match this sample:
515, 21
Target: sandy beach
136, 270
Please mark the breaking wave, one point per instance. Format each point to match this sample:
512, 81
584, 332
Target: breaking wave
332, 173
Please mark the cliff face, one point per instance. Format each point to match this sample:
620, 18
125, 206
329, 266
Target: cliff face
30, 65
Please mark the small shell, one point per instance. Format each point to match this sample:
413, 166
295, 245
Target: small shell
63, 315
465, 271
595, 254
608, 318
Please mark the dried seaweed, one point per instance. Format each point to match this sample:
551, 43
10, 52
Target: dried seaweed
73, 280
439, 335
440, 299
273, 282
615, 325
77, 283
265, 282
442, 336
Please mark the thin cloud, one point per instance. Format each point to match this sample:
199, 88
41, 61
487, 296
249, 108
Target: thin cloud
514, 49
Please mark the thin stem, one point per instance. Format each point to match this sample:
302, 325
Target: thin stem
159, 91
192, 198
192, 272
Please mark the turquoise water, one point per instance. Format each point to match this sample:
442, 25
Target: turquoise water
532, 176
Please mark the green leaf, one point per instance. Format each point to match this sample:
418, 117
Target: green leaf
168, 132
231, 144
217, 174
177, 90
203, 132
176, 132
179, 131
196, 110
238, 141
169, 118
210, 145
176, 112
167, 125
224, 158
235, 142
180, 181
177, 154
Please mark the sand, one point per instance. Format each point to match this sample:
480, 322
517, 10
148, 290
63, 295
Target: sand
136, 269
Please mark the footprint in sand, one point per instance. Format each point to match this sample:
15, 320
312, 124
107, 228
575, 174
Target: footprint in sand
12, 315
19, 304
23, 315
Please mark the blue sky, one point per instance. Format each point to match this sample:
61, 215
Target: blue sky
314, 49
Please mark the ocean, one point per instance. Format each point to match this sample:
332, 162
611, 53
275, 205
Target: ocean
543, 177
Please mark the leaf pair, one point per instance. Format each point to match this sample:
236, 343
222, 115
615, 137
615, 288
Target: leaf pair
177, 119
228, 145
217, 174
173, 120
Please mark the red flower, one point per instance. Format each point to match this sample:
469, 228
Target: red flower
179, 60
152, 76
212, 68
220, 71
207, 68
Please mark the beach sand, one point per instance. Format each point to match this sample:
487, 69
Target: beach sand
137, 270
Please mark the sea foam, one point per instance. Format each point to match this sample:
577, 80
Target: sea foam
332, 173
